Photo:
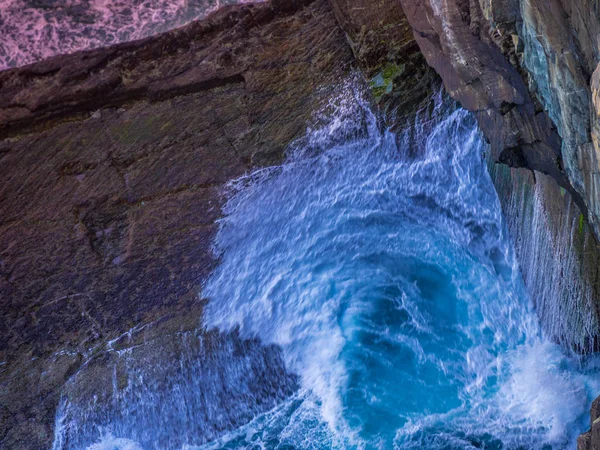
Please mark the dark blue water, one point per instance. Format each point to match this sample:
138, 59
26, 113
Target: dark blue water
392, 286
381, 266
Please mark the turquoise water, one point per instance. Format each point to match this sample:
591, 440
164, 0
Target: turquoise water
386, 275
379, 264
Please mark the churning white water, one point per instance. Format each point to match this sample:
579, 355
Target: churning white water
391, 285
381, 267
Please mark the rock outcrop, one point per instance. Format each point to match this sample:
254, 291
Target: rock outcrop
553, 242
113, 163
473, 57
591, 439
524, 68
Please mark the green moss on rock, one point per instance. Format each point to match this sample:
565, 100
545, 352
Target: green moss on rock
383, 83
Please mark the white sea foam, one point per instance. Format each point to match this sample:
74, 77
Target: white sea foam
110, 442
378, 273
387, 279
32, 31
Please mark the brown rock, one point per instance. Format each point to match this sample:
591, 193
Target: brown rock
112, 164
595, 436
584, 441
382, 42
560, 54
595, 410
524, 68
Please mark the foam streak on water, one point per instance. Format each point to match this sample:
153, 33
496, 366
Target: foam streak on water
33, 30
392, 287
381, 268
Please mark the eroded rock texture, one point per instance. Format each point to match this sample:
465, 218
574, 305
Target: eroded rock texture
525, 69
382, 42
112, 164
460, 42
560, 53
591, 439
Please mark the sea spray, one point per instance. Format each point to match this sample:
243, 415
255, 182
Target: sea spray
557, 252
172, 390
387, 276
380, 267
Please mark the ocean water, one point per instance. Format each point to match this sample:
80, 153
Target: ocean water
380, 266
33, 30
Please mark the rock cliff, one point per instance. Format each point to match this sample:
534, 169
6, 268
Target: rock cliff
525, 69
113, 165
529, 71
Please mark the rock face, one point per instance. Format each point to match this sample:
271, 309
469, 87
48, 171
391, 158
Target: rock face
591, 439
384, 47
113, 165
524, 67
553, 242
529, 71
560, 52
473, 59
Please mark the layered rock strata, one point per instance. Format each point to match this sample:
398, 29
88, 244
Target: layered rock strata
591, 439
525, 70
113, 165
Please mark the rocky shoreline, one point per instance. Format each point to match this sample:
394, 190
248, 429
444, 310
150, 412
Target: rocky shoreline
111, 187
114, 160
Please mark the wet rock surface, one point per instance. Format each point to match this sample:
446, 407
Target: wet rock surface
382, 42
553, 241
560, 52
473, 57
169, 389
113, 163
591, 439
